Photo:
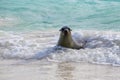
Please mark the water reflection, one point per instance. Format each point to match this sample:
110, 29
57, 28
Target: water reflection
65, 71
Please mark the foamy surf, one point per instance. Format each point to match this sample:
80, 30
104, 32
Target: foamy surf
101, 47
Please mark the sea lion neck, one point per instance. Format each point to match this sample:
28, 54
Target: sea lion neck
65, 40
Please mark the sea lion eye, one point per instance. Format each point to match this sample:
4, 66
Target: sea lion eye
69, 29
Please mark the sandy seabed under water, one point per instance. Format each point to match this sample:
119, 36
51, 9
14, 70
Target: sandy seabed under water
45, 70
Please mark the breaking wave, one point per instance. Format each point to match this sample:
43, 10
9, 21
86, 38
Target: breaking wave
101, 47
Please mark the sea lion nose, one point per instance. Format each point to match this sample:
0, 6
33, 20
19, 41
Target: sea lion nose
66, 30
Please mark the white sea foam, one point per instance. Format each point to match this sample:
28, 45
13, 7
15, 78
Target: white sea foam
101, 47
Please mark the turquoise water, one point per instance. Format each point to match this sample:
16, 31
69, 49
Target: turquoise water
28, 15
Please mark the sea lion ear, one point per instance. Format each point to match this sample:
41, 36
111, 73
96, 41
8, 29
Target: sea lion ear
60, 29
70, 29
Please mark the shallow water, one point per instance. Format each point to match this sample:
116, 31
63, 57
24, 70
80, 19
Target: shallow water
34, 56
45, 70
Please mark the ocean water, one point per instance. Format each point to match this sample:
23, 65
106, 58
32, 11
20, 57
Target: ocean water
52, 14
29, 31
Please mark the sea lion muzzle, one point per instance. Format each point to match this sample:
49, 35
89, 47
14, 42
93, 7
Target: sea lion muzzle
65, 32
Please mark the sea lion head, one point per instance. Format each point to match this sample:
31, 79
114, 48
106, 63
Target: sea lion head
65, 30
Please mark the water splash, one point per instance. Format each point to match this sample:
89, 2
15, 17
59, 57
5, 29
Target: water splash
101, 47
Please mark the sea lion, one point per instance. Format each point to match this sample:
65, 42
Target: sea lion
66, 40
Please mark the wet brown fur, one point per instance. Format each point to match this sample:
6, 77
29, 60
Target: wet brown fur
65, 39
